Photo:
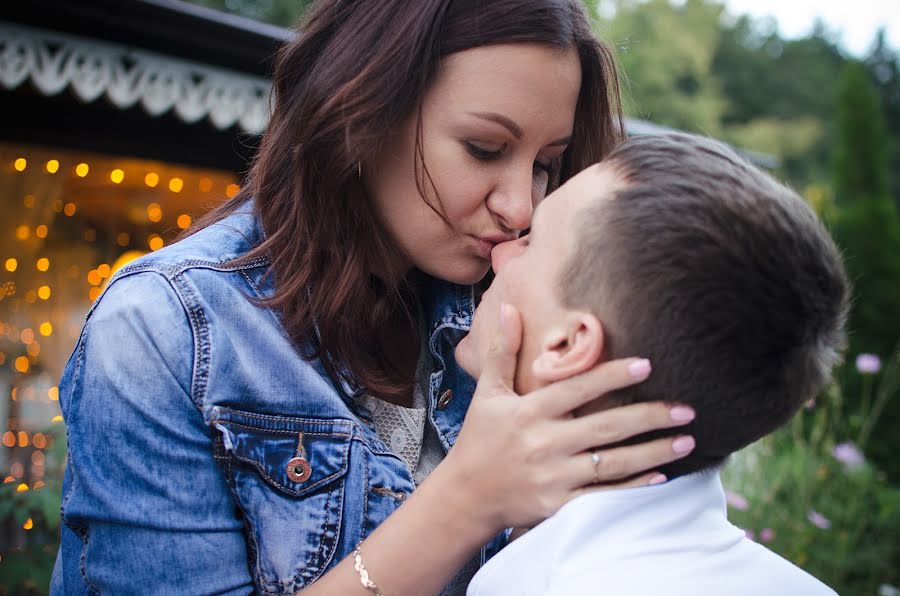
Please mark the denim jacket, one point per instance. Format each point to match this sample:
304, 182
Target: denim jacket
207, 456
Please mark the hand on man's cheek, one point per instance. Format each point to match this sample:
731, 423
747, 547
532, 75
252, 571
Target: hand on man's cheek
473, 348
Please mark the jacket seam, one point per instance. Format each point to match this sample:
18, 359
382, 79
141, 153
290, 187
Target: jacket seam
277, 418
286, 431
181, 267
201, 342
82, 563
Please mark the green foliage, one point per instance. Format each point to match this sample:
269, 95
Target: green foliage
883, 64
789, 477
27, 565
867, 227
789, 481
861, 153
284, 13
777, 88
667, 72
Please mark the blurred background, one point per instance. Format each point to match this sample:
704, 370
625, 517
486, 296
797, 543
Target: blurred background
121, 121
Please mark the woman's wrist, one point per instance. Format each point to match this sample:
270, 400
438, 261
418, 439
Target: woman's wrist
464, 508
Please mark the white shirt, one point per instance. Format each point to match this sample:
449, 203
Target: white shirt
670, 539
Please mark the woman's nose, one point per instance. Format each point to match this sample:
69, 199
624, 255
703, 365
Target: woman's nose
513, 202
504, 252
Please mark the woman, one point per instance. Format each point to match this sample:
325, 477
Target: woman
247, 406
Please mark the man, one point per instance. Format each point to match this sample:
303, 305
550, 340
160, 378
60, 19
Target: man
675, 249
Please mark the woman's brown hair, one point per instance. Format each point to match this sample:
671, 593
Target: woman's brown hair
356, 71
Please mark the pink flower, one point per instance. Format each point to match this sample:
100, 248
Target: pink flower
868, 364
735, 500
849, 455
818, 520
767, 535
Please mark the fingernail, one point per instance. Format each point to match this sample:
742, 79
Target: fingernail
683, 444
639, 369
658, 479
682, 414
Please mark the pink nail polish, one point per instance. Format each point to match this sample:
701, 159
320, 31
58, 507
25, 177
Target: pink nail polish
682, 414
658, 479
639, 369
683, 444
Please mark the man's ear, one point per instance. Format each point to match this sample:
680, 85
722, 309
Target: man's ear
570, 349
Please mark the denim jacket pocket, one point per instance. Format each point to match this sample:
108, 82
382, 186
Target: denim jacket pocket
287, 475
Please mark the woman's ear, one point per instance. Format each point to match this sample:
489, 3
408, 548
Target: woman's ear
570, 349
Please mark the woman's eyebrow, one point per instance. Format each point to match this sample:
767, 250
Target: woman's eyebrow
514, 128
502, 120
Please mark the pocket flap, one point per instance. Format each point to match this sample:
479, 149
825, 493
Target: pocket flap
273, 445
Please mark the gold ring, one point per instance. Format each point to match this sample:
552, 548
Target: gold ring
595, 460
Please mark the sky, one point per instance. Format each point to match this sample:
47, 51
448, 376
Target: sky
856, 21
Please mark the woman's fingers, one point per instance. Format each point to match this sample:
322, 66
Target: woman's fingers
499, 368
616, 424
645, 479
563, 397
603, 466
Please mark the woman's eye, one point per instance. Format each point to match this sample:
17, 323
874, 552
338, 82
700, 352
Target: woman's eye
484, 154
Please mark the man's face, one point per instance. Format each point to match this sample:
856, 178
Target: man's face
528, 276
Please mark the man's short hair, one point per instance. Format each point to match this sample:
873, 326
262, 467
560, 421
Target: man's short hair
724, 278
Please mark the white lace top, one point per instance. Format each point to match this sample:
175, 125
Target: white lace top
408, 433
406, 430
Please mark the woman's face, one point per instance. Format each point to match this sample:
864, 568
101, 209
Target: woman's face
492, 122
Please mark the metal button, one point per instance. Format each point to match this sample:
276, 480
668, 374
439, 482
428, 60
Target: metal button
299, 470
444, 399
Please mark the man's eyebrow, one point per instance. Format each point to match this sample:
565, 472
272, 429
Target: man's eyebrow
514, 128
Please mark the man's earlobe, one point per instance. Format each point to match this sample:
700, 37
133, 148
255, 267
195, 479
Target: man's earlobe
570, 349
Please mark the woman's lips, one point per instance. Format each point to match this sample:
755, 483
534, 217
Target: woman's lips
486, 244
484, 248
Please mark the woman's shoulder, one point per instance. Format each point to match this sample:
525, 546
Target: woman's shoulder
204, 271
219, 246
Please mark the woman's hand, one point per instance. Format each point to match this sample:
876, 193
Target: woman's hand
520, 458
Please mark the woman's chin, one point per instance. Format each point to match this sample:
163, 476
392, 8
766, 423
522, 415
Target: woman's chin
464, 274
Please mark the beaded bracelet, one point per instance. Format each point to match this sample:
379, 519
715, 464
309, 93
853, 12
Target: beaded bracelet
364, 574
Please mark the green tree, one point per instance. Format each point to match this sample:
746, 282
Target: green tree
781, 95
861, 154
884, 67
666, 53
868, 230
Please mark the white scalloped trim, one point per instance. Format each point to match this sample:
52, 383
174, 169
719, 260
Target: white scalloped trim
127, 76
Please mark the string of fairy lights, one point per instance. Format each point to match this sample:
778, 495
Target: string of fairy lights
44, 295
